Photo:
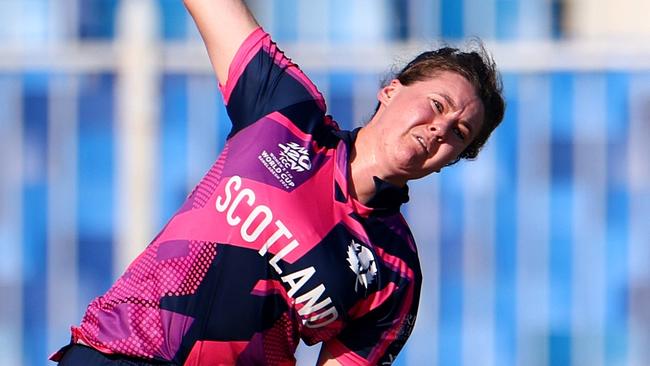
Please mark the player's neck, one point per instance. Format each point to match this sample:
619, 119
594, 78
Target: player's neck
364, 166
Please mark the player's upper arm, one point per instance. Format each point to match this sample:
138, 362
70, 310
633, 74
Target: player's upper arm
224, 25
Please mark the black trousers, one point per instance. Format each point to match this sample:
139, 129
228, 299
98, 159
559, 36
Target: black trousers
80, 355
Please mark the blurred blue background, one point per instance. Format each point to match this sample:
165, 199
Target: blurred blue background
537, 253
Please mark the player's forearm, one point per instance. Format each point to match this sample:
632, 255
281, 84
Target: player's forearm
224, 25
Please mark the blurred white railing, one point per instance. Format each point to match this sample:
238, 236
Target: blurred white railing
190, 56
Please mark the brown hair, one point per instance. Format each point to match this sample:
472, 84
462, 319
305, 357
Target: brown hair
479, 68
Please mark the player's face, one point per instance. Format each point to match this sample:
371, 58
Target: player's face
424, 126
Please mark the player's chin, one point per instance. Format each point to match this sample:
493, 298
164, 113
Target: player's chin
413, 166
428, 169
415, 173
425, 173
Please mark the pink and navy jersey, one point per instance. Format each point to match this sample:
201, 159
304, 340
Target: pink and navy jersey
270, 247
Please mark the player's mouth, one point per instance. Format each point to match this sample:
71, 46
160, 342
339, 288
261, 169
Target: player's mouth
422, 143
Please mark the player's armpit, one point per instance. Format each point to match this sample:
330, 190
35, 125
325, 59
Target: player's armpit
224, 25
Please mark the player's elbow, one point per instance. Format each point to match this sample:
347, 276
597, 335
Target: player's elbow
190, 3
187, 4
210, 3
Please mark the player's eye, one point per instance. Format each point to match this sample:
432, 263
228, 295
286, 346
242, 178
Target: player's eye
439, 107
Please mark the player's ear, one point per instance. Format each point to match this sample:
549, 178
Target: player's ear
386, 94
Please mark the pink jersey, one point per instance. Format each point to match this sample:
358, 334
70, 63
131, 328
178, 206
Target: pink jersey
270, 247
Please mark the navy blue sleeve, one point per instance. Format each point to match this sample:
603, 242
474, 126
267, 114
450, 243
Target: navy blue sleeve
379, 335
263, 80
